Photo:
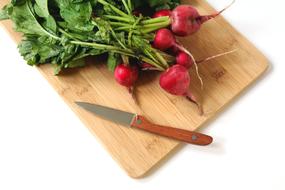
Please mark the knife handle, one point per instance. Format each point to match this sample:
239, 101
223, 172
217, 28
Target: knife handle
191, 137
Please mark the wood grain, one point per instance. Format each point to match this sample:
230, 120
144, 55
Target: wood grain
135, 151
187, 136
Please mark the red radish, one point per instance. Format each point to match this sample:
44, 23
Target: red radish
184, 59
126, 75
186, 20
176, 81
161, 13
164, 39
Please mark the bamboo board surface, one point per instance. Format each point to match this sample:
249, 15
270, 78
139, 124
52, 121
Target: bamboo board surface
135, 151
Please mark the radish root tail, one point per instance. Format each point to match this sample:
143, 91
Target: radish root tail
226, 7
205, 18
193, 99
132, 93
216, 56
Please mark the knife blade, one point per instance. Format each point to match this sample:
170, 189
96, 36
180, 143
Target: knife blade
139, 122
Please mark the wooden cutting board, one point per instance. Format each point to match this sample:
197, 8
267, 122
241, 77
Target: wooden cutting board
135, 151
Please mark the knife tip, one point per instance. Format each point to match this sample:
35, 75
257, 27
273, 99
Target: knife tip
79, 103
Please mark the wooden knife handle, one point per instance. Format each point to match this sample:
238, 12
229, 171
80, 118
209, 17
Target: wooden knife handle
179, 134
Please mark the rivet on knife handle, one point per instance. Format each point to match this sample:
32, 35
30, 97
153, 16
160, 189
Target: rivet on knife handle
179, 134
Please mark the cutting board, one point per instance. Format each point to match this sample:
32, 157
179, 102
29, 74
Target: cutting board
138, 152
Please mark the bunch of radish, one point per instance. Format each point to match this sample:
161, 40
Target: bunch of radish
121, 29
184, 20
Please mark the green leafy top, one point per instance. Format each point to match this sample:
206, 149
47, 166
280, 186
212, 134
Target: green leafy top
62, 32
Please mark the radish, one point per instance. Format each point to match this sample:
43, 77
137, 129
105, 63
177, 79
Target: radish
161, 13
184, 59
126, 75
186, 20
176, 81
164, 39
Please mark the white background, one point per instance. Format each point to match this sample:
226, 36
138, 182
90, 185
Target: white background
43, 145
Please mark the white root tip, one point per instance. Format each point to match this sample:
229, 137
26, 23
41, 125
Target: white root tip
217, 56
193, 99
227, 6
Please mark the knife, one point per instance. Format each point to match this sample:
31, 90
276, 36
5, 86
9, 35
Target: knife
139, 122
